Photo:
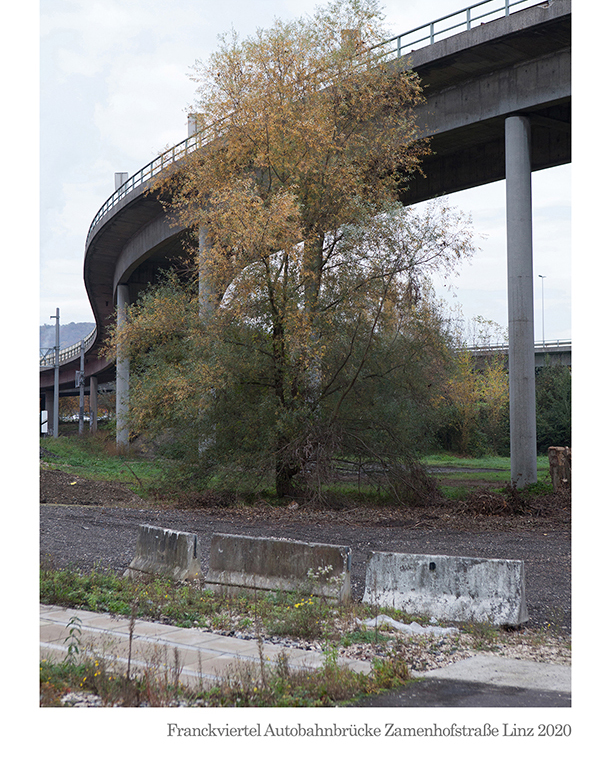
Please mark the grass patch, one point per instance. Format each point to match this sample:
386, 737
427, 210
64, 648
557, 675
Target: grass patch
493, 471
484, 463
157, 599
288, 614
94, 456
453, 460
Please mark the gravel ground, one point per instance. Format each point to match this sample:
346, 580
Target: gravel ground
86, 524
105, 534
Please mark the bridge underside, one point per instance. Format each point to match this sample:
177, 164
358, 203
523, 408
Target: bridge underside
475, 155
473, 81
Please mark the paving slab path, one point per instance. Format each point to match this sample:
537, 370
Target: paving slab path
200, 656
480, 681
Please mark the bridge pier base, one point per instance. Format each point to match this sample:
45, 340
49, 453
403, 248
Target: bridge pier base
122, 374
93, 404
521, 358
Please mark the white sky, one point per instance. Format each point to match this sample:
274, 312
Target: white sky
114, 92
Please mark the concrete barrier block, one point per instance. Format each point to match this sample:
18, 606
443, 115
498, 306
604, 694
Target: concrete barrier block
448, 588
161, 551
244, 563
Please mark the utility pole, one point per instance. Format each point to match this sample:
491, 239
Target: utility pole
56, 385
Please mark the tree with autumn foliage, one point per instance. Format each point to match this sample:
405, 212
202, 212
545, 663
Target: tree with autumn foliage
474, 407
309, 331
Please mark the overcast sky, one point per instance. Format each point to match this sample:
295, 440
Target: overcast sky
114, 92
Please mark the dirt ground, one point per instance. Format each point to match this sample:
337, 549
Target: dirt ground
88, 524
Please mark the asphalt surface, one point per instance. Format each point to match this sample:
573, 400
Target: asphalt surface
446, 693
483, 681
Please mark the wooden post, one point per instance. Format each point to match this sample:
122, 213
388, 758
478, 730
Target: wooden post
559, 458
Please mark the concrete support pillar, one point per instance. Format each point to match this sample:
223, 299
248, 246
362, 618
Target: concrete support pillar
49, 405
93, 404
523, 447
207, 299
56, 382
122, 374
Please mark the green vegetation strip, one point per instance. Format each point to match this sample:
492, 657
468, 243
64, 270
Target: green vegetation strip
481, 463
95, 458
247, 686
296, 615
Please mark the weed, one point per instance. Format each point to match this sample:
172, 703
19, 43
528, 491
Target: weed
72, 639
133, 617
390, 672
363, 637
485, 635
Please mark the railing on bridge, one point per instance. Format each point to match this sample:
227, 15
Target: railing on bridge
47, 355
454, 23
172, 155
395, 47
549, 346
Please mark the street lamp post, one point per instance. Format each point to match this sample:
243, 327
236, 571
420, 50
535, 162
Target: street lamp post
543, 277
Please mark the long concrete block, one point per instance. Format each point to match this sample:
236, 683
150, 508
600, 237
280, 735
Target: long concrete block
448, 588
244, 563
161, 551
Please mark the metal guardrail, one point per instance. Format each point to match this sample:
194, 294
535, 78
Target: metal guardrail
502, 348
47, 355
446, 26
172, 155
436, 30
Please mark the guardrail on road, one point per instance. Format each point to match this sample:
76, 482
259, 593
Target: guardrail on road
47, 355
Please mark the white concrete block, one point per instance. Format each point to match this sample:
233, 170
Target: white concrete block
243, 563
448, 588
161, 551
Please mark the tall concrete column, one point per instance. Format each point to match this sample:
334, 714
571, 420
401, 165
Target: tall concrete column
122, 374
49, 405
523, 451
93, 404
207, 299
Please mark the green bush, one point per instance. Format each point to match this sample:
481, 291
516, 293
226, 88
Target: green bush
553, 406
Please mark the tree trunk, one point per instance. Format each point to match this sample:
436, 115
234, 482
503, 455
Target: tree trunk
285, 472
313, 250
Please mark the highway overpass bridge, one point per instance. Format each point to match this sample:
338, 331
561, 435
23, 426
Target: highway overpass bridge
548, 353
497, 79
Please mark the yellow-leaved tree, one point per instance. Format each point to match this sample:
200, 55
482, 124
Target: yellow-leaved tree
309, 332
